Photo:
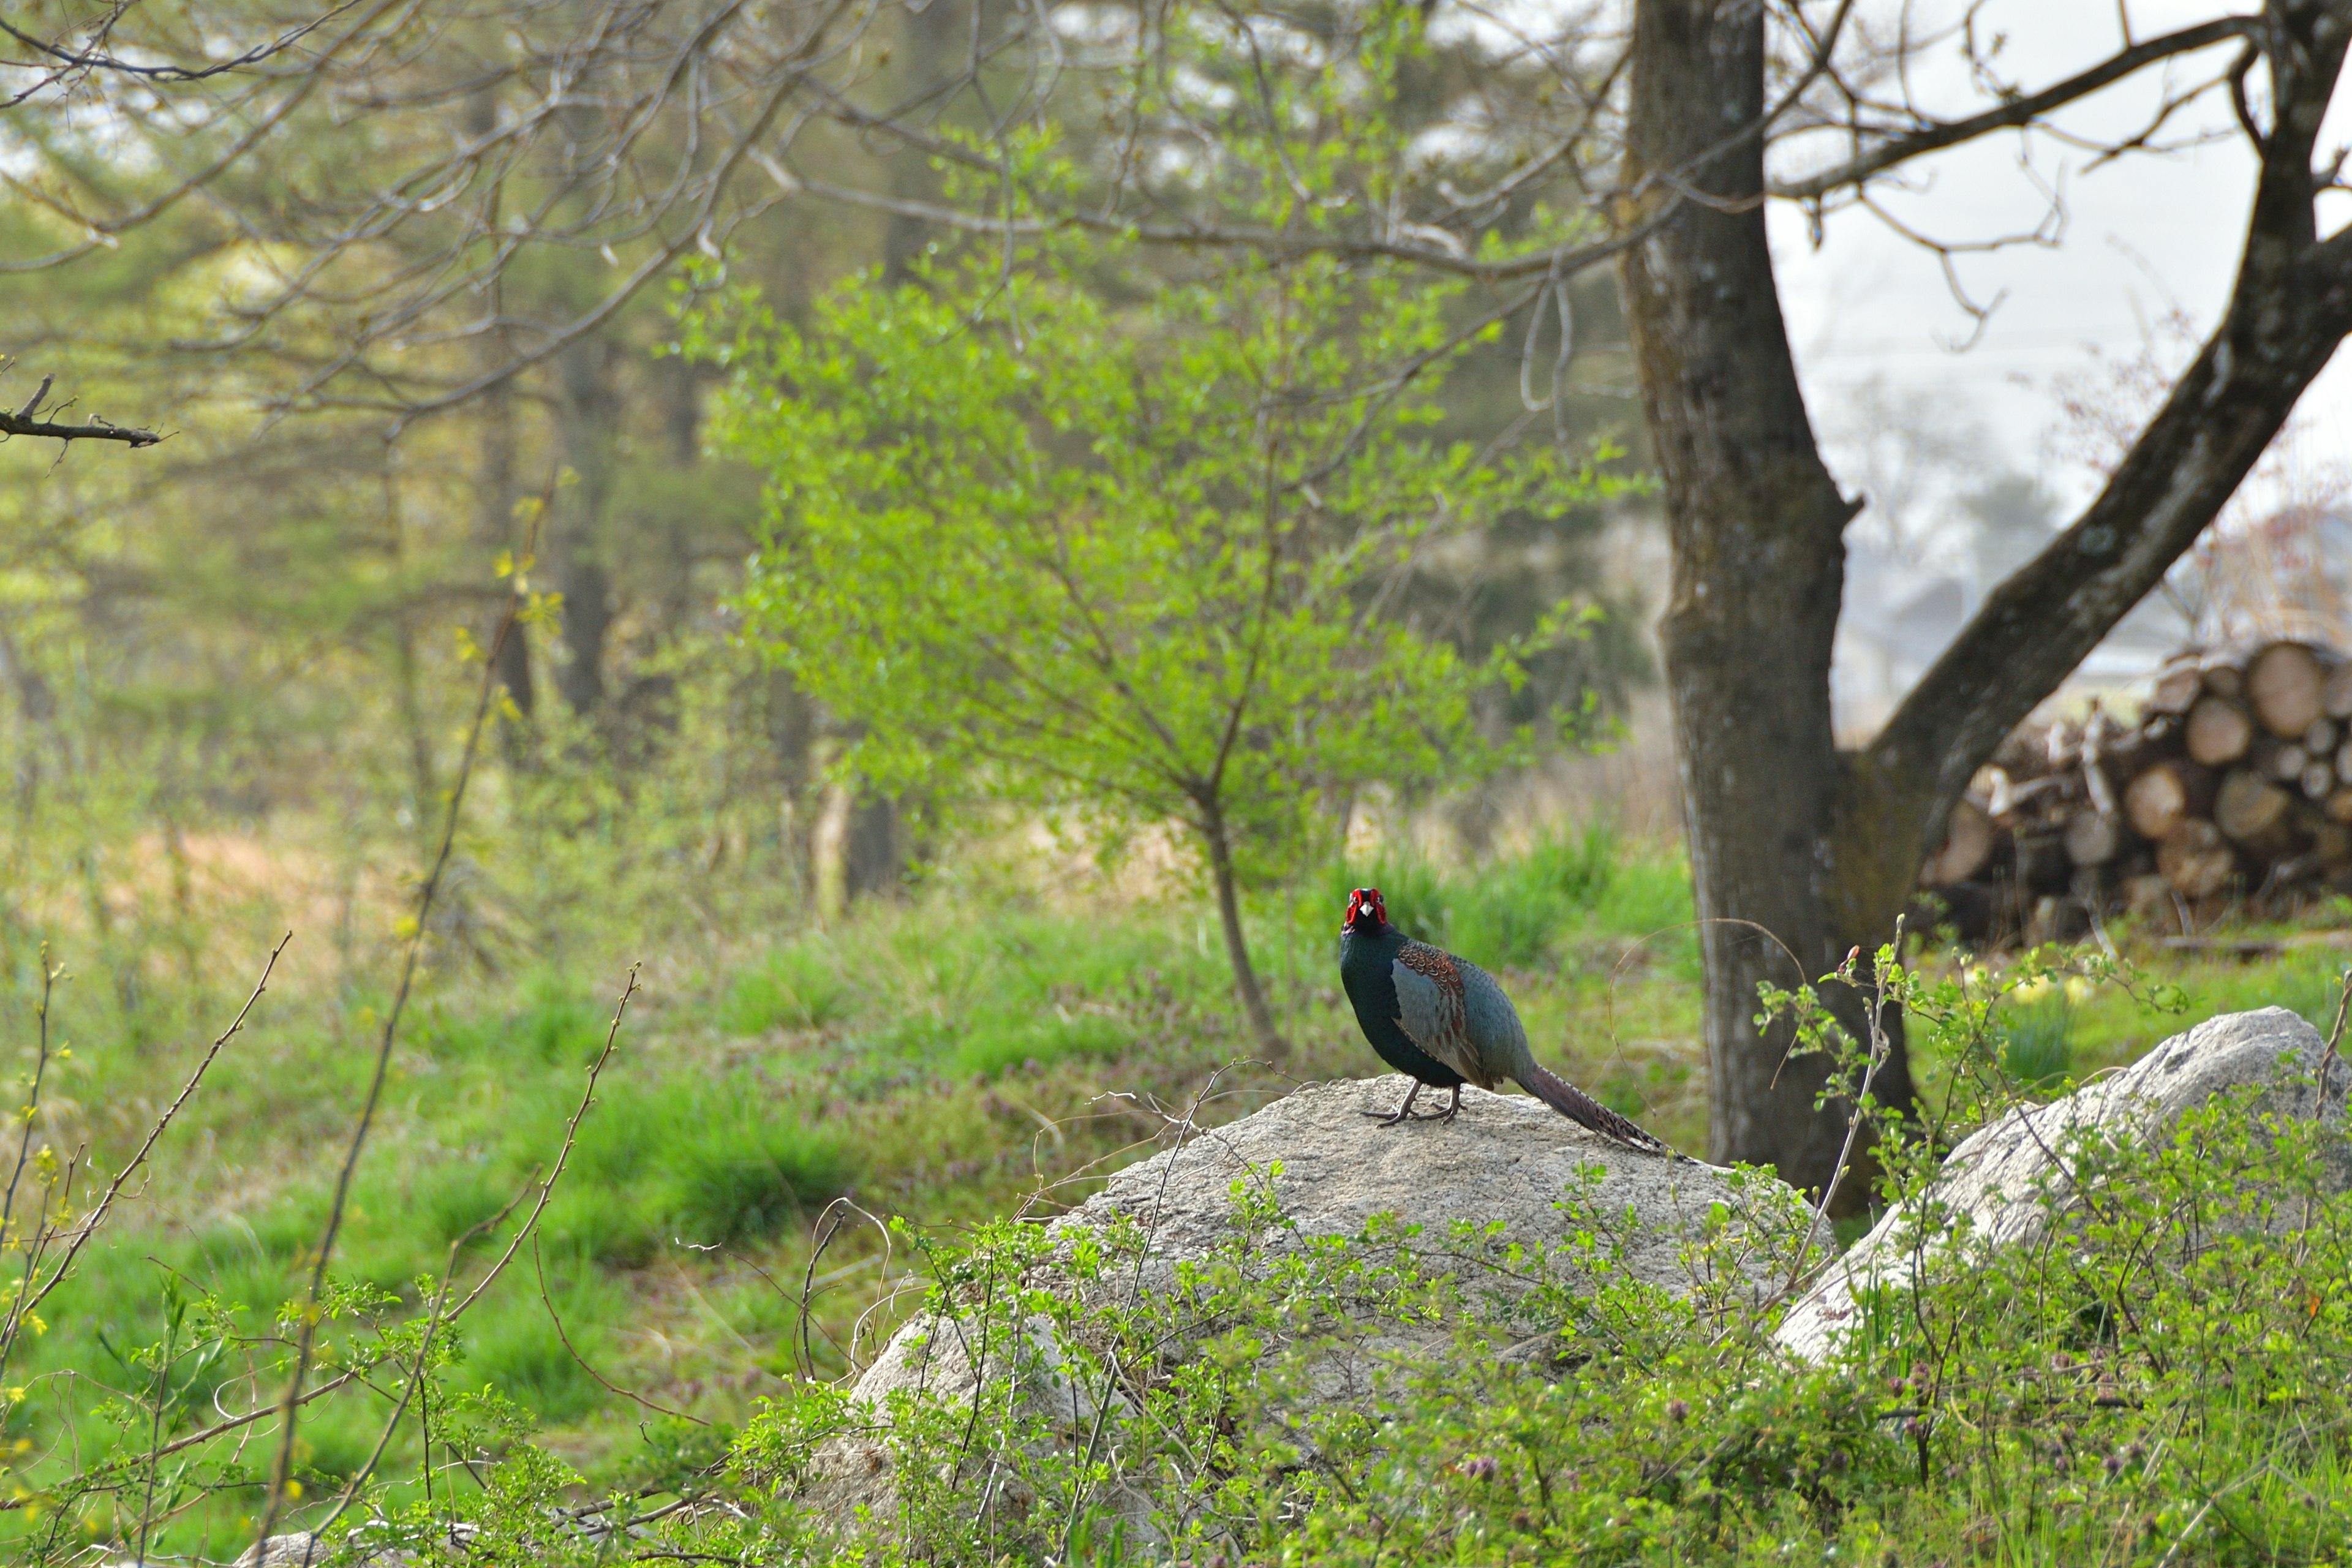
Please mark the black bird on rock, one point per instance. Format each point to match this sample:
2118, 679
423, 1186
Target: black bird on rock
1446, 1022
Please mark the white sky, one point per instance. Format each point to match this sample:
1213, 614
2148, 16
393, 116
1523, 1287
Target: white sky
2143, 234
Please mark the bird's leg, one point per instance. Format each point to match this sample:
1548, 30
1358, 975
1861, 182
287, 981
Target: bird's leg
1403, 1112
1454, 1110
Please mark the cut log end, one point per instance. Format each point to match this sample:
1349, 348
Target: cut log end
1968, 837
2286, 685
2156, 802
2250, 811
2218, 731
2176, 688
2093, 837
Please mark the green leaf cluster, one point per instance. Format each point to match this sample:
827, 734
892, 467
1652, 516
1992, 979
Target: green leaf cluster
1055, 532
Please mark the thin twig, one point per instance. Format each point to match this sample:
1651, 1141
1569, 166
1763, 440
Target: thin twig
96, 1216
548, 1301
23, 422
563, 1153
432, 1321
1880, 1049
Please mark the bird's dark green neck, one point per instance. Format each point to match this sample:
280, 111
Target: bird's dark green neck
1372, 949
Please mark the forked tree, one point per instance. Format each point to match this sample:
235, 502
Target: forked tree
1822, 847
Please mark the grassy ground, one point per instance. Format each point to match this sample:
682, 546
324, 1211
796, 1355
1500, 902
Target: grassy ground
942, 1058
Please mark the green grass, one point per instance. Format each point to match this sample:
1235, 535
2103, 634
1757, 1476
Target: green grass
797, 988
937, 1059
2038, 1047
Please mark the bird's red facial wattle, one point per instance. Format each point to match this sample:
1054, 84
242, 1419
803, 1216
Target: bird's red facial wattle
1366, 911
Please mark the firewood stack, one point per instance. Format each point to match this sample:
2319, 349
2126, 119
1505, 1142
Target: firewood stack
2234, 787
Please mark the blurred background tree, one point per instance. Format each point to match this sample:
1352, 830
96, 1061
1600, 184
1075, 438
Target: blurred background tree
387, 276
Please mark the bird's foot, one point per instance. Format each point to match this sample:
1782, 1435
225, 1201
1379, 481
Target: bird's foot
1391, 1118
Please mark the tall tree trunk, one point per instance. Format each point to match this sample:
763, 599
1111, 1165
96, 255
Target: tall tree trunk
425, 789
1788, 837
1219, 844
494, 484
1757, 529
829, 851
930, 41
587, 415
494, 530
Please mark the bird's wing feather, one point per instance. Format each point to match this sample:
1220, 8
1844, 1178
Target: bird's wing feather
1434, 1010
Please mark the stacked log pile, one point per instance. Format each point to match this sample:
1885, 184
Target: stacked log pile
2233, 785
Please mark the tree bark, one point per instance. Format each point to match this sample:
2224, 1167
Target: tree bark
494, 484
588, 416
1757, 527
1215, 840
928, 47
1788, 837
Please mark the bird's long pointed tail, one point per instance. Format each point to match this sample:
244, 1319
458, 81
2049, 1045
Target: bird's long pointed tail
1586, 1111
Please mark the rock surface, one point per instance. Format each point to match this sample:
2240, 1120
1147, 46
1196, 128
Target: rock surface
2011, 1178
1506, 1158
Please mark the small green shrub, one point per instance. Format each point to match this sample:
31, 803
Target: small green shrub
455, 1197
1511, 911
601, 1224
552, 1020
1516, 910
713, 1160
797, 988
746, 1179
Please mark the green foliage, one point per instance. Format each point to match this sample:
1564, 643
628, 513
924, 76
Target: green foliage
2162, 1353
2037, 1043
721, 1162
515, 1346
1123, 563
553, 1022
748, 1179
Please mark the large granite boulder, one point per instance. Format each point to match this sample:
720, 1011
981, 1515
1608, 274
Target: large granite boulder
1504, 1159
2008, 1184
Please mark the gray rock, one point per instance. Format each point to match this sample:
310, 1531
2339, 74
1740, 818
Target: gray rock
298, 1550
1505, 1158
2011, 1180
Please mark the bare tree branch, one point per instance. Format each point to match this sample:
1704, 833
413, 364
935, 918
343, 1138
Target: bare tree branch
1912, 144
2290, 308
25, 421
63, 60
